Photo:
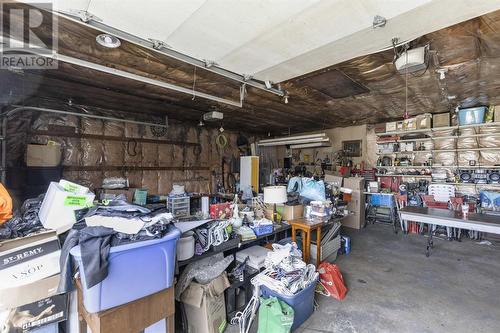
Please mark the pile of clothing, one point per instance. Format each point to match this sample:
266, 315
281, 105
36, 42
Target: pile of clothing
103, 226
24, 221
285, 271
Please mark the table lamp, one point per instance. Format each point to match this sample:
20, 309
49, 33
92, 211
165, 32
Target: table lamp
275, 195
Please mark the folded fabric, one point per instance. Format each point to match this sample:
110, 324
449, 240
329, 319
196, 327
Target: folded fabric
5, 205
117, 223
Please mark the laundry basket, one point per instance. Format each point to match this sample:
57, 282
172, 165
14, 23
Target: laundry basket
135, 270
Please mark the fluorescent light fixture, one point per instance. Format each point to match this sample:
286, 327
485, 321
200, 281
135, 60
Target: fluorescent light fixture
296, 137
291, 142
310, 145
108, 40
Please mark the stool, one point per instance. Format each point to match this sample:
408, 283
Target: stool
132, 317
306, 230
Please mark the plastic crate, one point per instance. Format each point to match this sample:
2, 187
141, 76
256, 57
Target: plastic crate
302, 302
471, 116
382, 200
263, 230
135, 270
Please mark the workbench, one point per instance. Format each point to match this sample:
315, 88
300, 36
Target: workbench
450, 218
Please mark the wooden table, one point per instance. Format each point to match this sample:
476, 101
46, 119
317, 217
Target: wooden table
307, 228
450, 218
132, 317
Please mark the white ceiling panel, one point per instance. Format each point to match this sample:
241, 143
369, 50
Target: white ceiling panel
147, 19
279, 39
221, 26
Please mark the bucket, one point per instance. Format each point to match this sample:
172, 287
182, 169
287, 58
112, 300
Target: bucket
185, 246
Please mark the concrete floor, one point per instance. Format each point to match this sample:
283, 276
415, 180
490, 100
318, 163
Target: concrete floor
394, 287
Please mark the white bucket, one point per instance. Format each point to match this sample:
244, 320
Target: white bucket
185, 246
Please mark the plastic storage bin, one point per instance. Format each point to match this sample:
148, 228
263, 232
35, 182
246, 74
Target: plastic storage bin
471, 116
383, 200
135, 270
302, 302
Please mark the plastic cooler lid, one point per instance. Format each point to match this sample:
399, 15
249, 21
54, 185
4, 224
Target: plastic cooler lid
174, 233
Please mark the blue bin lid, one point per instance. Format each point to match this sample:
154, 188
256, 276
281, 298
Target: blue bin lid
173, 234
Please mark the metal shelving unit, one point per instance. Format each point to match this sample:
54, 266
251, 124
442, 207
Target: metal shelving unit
438, 129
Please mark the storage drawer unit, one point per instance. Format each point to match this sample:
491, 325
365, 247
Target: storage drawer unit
179, 206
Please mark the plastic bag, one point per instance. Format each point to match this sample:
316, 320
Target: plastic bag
275, 316
313, 190
332, 281
5, 205
24, 221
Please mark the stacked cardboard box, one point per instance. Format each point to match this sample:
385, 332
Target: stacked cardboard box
29, 271
357, 203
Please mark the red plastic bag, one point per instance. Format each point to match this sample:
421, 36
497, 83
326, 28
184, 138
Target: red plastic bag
332, 281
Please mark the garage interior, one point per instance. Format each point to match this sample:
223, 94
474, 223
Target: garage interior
250, 166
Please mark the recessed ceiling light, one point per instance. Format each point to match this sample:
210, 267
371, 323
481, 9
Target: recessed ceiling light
107, 40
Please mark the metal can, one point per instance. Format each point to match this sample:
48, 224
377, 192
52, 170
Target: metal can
347, 244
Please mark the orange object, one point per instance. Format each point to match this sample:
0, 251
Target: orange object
331, 279
5, 205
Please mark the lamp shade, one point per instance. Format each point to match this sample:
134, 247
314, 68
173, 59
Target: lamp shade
275, 194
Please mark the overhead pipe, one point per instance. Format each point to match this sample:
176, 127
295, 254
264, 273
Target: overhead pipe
88, 19
135, 77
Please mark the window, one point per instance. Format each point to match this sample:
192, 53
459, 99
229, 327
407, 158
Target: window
352, 148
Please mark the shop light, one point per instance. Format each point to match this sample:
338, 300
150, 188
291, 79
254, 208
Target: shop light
291, 142
310, 145
316, 136
108, 40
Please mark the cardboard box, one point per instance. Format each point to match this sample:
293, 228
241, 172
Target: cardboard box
355, 183
28, 293
34, 315
424, 121
26, 260
43, 155
391, 127
109, 194
399, 125
205, 305
357, 207
380, 128
336, 180
410, 124
441, 120
292, 212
